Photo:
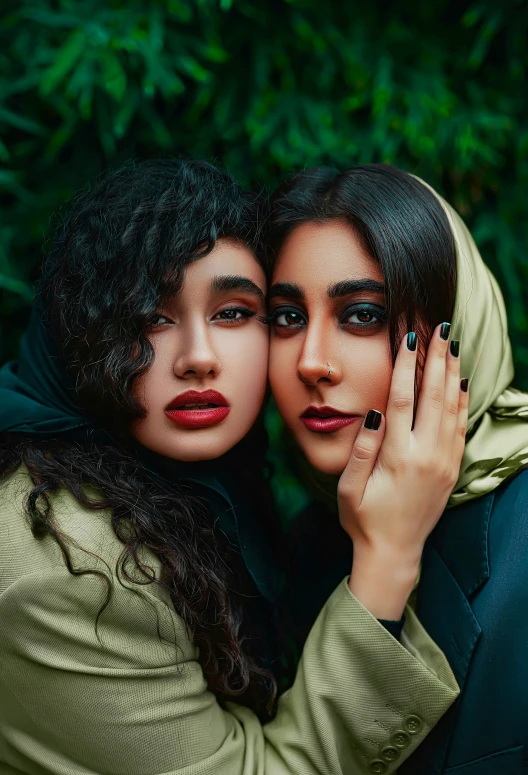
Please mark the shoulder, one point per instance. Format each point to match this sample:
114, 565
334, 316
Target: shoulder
508, 524
513, 493
90, 536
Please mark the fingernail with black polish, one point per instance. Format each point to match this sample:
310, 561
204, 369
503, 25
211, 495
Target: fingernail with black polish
464, 385
445, 328
454, 347
372, 420
411, 341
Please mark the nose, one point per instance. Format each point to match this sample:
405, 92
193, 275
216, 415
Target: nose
315, 364
197, 358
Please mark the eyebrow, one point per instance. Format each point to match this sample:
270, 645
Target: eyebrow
233, 282
291, 290
343, 288
346, 287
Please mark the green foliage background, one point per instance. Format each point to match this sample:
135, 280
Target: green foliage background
265, 86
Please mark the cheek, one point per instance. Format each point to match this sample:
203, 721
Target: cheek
244, 358
370, 373
146, 388
283, 359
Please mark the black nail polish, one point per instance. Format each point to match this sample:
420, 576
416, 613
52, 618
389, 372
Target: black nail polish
464, 385
445, 328
372, 420
454, 347
411, 341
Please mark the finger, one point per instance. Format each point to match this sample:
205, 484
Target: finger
363, 458
400, 405
459, 439
448, 422
432, 391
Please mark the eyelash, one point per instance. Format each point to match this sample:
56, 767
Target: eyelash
370, 309
244, 312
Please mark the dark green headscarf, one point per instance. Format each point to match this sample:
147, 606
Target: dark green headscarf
38, 398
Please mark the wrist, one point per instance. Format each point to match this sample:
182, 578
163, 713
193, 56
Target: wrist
383, 581
400, 564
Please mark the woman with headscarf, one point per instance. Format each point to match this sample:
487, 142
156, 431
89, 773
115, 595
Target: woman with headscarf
138, 571
359, 257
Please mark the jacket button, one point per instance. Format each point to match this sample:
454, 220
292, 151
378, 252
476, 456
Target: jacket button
413, 724
400, 739
390, 753
378, 766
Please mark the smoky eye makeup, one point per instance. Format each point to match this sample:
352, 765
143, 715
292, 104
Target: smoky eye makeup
285, 316
363, 315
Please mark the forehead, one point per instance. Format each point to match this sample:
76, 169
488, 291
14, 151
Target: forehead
227, 258
316, 254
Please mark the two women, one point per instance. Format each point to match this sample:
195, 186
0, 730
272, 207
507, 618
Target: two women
361, 255
139, 556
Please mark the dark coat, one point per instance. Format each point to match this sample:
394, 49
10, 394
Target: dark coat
473, 600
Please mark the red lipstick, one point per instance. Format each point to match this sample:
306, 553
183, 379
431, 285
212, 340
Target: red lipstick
326, 419
194, 409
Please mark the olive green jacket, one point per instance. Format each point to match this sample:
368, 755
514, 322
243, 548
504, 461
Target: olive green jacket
130, 703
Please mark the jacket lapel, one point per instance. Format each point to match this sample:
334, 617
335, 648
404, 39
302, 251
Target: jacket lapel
455, 565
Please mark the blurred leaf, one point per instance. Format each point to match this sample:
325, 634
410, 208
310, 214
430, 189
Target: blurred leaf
16, 286
114, 77
20, 122
66, 58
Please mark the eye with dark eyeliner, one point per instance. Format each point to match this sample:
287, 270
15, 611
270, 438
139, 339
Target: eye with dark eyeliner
233, 315
367, 316
286, 317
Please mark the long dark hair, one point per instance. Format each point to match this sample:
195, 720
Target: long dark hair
403, 227
123, 246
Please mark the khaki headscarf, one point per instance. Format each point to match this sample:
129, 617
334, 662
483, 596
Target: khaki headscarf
497, 444
497, 438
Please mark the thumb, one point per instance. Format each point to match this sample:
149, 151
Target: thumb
354, 478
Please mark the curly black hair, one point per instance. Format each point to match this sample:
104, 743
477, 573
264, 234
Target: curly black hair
121, 248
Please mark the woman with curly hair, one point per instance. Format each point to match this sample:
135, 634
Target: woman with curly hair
140, 561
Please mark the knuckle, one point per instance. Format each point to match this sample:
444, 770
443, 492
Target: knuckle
462, 430
451, 408
436, 396
403, 402
424, 464
344, 490
361, 451
446, 472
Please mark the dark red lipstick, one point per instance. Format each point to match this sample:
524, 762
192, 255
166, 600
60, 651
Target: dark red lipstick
194, 409
326, 419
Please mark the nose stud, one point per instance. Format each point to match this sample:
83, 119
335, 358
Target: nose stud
329, 369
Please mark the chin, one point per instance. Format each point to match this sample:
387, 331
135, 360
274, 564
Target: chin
194, 453
325, 460
192, 450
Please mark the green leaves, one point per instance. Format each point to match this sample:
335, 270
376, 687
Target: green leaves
265, 87
67, 56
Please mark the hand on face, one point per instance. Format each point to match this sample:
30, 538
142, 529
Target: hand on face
399, 476
206, 385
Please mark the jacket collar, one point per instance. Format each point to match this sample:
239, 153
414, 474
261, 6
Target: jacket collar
461, 540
